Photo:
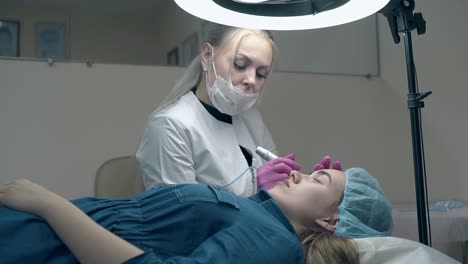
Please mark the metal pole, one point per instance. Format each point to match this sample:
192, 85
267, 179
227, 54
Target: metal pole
415, 105
401, 19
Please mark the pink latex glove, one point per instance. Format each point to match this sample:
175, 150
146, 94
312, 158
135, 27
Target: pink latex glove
325, 164
276, 170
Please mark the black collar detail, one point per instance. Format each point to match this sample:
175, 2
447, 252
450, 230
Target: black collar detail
215, 112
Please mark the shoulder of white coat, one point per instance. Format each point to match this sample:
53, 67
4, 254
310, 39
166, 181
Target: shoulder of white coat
252, 114
185, 110
253, 118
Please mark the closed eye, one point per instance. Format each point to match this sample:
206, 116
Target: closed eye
239, 67
321, 172
262, 76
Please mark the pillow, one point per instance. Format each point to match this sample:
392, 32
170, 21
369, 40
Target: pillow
395, 250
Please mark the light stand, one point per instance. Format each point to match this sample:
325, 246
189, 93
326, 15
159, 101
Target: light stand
309, 14
400, 18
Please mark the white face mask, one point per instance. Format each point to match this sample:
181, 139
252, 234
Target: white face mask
227, 98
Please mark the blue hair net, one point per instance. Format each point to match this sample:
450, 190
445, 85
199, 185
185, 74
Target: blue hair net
365, 211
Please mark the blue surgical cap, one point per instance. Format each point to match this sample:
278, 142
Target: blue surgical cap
365, 211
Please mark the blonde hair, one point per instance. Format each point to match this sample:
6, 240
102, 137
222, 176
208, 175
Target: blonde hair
217, 35
325, 248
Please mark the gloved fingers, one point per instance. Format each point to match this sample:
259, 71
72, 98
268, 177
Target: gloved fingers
291, 156
281, 168
278, 177
269, 181
326, 161
325, 164
269, 170
337, 165
318, 166
290, 163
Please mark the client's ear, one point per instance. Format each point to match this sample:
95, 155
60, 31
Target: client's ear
328, 224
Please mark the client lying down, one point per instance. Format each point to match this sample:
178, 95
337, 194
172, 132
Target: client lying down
197, 223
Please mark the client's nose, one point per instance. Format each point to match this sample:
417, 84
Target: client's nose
295, 176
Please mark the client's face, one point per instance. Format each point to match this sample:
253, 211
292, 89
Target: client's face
308, 198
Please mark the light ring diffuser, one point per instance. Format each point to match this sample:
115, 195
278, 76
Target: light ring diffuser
349, 12
281, 8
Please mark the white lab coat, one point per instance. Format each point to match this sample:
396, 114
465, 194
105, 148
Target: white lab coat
184, 143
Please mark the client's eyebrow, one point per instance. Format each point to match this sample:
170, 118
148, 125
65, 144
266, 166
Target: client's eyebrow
325, 173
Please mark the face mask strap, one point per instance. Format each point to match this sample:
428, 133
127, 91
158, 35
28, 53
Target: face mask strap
229, 79
212, 62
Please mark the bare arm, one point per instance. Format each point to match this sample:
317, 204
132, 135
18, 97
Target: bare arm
88, 241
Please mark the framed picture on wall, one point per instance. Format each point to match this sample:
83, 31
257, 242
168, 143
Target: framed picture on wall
173, 56
189, 49
50, 40
9, 38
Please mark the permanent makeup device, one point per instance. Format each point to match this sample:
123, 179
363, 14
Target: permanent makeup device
265, 154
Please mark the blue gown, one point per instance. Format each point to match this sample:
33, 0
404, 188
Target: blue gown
186, 223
